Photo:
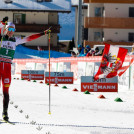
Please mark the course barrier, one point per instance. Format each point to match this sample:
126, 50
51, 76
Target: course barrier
80, 66
59, 77
102, 85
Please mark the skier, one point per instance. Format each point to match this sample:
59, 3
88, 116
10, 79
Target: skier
7, 49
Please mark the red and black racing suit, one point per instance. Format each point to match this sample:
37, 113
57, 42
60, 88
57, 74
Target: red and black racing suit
7, 50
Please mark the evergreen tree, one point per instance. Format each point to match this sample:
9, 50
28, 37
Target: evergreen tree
71, 45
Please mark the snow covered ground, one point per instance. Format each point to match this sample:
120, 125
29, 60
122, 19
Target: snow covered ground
71, 112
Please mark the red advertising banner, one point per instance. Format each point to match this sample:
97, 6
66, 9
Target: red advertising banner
59, 77
102, 85
32, 74
59, 80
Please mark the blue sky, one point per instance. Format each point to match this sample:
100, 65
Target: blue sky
67, 22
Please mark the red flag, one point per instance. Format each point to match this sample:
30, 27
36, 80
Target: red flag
112, 60
124, 68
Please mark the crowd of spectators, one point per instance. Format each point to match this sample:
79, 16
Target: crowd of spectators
87, 51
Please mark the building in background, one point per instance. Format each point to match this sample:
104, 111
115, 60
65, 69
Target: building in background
75, 4
34, 16
109, 21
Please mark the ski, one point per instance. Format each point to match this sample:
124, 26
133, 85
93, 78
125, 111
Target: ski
8, 122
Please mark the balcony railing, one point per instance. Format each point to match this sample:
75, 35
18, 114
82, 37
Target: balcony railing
37, 28
108, 1
92, 43
101, 22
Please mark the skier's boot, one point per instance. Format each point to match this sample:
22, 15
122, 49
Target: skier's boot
5, 116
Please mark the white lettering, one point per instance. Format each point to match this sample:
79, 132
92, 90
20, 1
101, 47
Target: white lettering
85, 86
91, 87
113, 87
99, 87
70, 80
104, 87
108, 87
59, 80
95, 87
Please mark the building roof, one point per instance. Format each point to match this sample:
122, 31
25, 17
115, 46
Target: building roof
75, 3
33, 5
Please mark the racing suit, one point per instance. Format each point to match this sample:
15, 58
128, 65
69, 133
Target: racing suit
7, 50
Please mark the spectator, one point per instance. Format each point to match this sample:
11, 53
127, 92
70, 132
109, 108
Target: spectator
80, 50
88, 48
90, 53
100, 53
73, 54
96, 50
132, 52
85, 52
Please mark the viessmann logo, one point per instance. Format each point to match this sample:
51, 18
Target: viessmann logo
57, 80
101, 85
96, 87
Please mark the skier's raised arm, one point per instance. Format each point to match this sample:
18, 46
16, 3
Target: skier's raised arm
20, 40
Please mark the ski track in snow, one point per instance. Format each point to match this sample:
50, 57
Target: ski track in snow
71, 112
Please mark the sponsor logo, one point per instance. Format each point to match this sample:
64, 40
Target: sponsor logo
99, 87
32, 76
6, 80
59, 80
95, 87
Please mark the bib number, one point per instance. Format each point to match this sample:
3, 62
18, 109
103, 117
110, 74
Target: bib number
6, 51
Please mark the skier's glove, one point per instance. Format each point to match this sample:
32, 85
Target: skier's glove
47, 31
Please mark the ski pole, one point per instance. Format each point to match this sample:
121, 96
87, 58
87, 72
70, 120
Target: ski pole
49, 31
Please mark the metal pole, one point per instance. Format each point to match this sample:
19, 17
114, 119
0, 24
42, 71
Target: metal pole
80, 22
49, 31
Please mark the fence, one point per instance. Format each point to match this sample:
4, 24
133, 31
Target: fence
81, 66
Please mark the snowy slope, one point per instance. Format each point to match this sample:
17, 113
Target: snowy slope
71, 112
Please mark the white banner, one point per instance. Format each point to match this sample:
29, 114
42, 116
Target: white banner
39, 66
124, 79
96, 67
13, 68
81, 69
67, 67
60, 66
132, 78
54, 67
89, 69
30, 66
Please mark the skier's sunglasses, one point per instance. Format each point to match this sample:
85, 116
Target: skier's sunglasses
11, 29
